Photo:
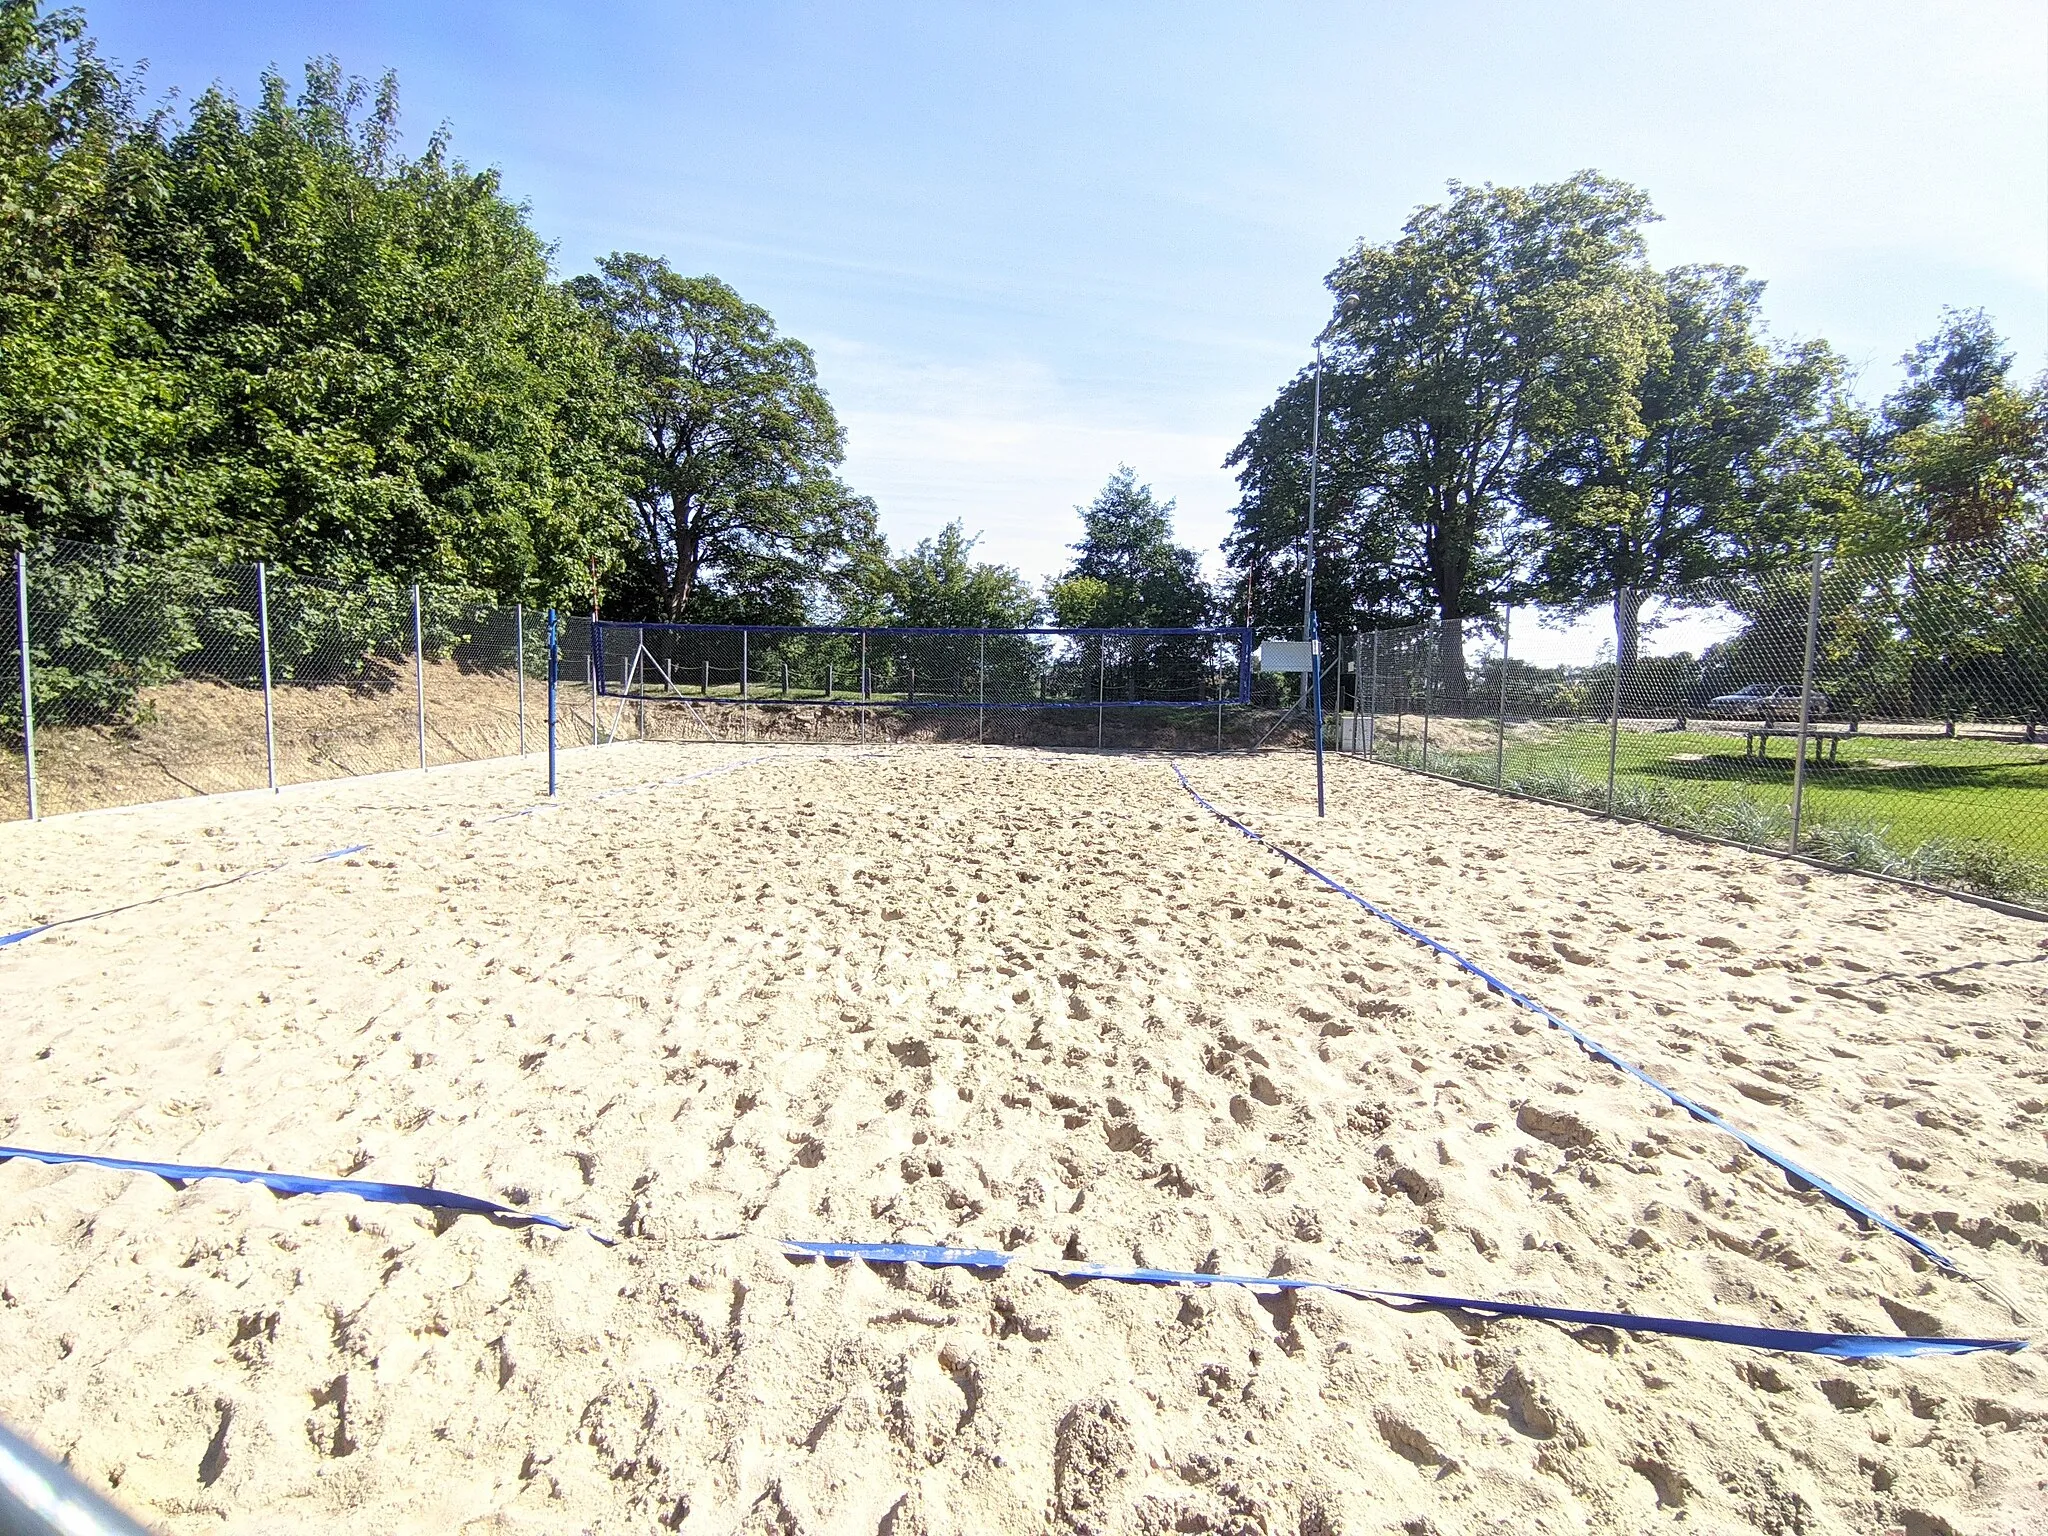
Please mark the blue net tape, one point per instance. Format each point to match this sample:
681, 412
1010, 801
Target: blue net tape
1589, 1045
306, 1184
1841, 1346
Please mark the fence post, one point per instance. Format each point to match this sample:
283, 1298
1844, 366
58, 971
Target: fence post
1614, 717
743, 663
419, 677
28, 693
1101, 653
864, 666
1500, 725
1219, 711
1372, 711
981, 684
1429, 649
1315, 661
554, 678
1806, 698
519, 667
590, 677
263, 633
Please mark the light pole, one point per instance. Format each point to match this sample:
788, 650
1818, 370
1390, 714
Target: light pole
1315, 459
1309, 631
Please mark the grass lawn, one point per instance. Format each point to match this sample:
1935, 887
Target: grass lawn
1912, 789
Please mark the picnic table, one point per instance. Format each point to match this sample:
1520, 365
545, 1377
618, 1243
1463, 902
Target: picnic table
1826, 743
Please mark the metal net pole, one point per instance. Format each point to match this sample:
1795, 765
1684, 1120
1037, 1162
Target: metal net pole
1614, 718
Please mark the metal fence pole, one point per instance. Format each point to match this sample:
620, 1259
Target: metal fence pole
1315, 661
1806, 698
28, 693
743, 663
519, 667
981, 686
1372, 712
1429, 656
554, 680
590, 677
1500, 726
263, 632
1614, 719
1101, 652
419, 676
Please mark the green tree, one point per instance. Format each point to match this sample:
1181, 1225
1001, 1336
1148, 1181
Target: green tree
85, 405
940, 585
1500, 324
1127, 571
737, 508
1619, 519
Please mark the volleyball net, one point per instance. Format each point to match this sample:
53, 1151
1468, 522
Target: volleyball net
1008, 669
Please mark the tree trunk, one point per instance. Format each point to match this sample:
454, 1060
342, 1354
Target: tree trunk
1628, 639
1450, 658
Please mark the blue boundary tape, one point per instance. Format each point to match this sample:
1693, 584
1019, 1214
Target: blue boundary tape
1590, 1046
1840, 1346
194, 890
18, 937
307, 1184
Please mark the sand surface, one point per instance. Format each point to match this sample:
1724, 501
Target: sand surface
1019, 1000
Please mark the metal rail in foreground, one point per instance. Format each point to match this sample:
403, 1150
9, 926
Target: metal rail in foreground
40, 1497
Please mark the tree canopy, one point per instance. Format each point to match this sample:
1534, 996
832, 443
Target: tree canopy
939, 584
1127, 571
737, 507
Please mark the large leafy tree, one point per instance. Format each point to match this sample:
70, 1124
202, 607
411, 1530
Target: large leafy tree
261, 333
1619, 517
1127, 571
738, 511
1500, 324
939, 584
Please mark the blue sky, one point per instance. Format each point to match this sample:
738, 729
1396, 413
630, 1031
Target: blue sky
1031, 242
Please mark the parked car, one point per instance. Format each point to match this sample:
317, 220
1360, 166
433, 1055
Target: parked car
1763, 701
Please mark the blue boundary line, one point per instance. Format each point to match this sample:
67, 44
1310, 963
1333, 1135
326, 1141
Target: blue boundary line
1590, 1046
307, 1184
194, 890
21, 935
1841, 1346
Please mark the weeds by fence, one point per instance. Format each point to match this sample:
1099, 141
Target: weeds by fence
1878, 712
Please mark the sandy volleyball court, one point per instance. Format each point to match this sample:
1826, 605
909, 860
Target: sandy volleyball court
1017, 1000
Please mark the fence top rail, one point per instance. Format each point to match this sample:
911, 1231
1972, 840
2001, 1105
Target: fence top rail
1234, 632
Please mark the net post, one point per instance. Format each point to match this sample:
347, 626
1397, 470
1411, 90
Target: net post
1315, 662
1219, 709
519, 667
28, 693
1500, 724
263, 637
554, 680
590, 677
1806, 698
419, 677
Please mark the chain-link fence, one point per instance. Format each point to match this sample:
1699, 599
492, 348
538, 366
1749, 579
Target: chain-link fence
151, 677
1879, 712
